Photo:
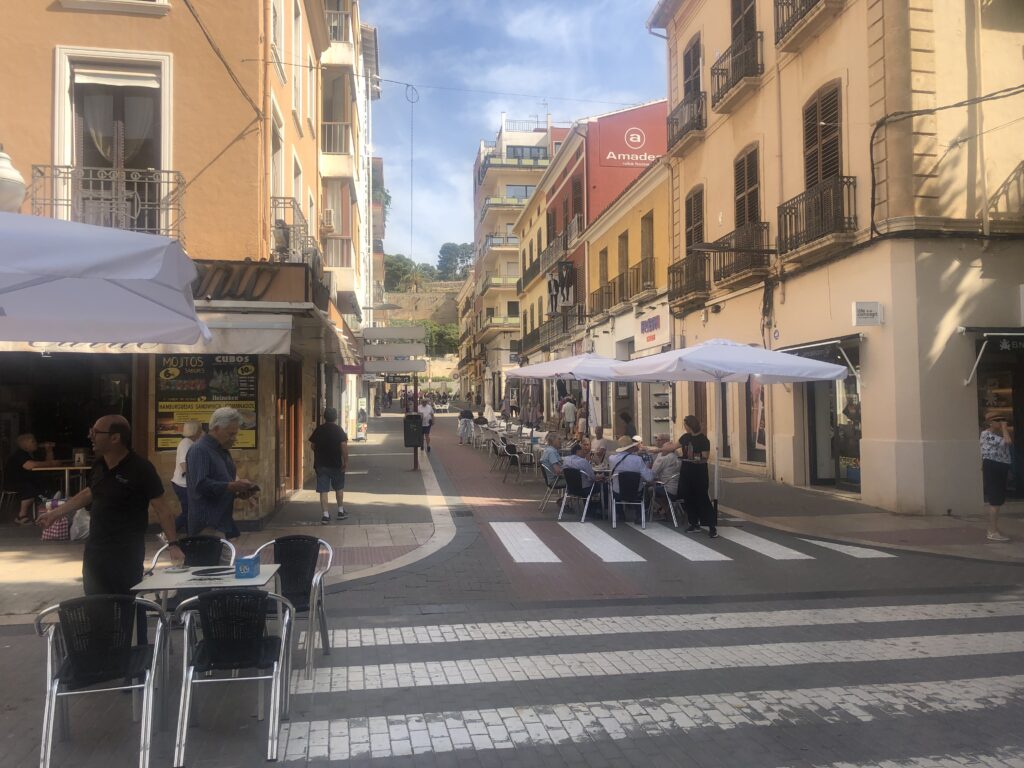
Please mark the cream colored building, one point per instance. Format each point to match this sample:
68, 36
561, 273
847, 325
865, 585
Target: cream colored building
214, 123
834, 195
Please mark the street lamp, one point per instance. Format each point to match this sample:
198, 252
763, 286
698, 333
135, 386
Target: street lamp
12, 185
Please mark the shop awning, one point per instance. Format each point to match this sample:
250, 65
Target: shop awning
987, 334
816, 348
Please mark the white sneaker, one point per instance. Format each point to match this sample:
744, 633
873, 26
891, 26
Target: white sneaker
997, 537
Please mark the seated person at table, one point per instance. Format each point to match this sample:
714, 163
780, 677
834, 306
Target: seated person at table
19, 477
666, 472
602, 446
481, 419
578, 460
627, 459
552, 457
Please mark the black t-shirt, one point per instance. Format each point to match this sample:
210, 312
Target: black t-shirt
465, 413
698, 443
327, 439
120, 502
15, 474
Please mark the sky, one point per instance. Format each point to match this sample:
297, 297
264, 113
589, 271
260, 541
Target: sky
597, 53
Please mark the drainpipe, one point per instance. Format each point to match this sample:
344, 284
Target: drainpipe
264, 160
979, 112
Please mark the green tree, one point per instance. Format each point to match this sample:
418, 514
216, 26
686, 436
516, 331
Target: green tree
396, 268
453, 260
440, 339
418, 276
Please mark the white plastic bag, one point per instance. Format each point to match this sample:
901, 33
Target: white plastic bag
80, 525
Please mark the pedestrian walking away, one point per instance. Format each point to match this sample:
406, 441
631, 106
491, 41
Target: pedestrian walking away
465, 426
121, 487
996, 440
330, 459
213, 483
191, 431
426, 411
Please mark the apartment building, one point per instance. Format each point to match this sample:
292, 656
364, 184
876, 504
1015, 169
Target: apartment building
597, 159
846, 184
505, 174
204, 122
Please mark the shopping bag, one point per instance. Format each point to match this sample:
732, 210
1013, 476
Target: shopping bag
58, 531
80, 525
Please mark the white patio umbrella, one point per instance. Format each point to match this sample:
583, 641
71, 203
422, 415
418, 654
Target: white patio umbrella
68, 282
589, 366
721, 360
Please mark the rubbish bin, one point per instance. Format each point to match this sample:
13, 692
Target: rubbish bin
413, 425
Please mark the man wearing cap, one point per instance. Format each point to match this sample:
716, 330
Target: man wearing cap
627, 459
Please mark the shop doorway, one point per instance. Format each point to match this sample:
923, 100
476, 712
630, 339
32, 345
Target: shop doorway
289, 425
1000, 393
834, 425
657, 411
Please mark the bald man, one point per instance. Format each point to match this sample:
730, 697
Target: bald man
122, 485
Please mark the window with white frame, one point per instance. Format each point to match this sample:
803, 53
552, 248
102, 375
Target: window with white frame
277, 154
277, 33
314, 225
296, 181
297, 61
311, 94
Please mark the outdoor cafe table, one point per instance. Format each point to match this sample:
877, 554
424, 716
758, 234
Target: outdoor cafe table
174, 578
65, 468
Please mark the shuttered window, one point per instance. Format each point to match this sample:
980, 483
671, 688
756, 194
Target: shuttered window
694, 211
691, 69
744, 20
822, 137
747, 184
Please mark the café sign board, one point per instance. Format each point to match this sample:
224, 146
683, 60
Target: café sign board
652, 330
192, 387
867, 313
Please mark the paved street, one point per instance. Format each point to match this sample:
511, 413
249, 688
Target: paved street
511, 639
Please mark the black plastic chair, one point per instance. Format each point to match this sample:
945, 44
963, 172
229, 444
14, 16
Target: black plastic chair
574, 490
200, 551
630, 494
230, 636
92, 644
552, 481
301, 578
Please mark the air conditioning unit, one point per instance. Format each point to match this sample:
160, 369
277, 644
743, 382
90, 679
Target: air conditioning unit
327, 219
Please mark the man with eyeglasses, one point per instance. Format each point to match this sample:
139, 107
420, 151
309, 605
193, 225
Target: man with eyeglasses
121, 487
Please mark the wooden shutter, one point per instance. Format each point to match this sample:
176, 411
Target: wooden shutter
694, 210
691, 69
744, 20
822, 137
746, 182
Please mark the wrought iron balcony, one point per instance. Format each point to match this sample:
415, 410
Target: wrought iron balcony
140, 200
574, 230
688, 282
797, 21
289, 229
741, 255
554, 253
688, 121
530, 273
641, 277
737, 71
620, 290
339, 26
596, 303
466, 361
827, 208
336, 138
531, 341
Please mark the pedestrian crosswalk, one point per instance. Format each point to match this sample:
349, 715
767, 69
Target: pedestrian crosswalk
843, 681
535, 543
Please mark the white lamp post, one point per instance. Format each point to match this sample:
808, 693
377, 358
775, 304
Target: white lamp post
12, 185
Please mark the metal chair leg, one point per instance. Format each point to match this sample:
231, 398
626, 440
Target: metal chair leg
325, 637
561, 509
672, 510
183, 715
145, 737
275, 709
49, 712
615, 509
64, 714
643, 514
260, 700
547, 497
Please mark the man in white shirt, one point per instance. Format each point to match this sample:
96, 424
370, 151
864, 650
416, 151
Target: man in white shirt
427, 415
569, 417
578, 460
627, 459
601, 446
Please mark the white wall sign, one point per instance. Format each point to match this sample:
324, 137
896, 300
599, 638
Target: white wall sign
867, 313
403, 332
653, 330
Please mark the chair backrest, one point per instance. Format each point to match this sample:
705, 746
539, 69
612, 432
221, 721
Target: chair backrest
202, 550
97, 634
574, 482
234, 623
550, 478
298, 557
630, 486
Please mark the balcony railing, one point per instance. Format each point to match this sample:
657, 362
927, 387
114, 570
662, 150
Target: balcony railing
338, 251
498, 281
500, 241
1007, 202
490, 203
620, 289
499, 322
688, 279
574, 230
553, 253
531, 341
596, 303
466, 307
742, 252
530, 273
494, 160
524, 126
744, 58
689, 116
827, 208
464, 336
790, 16
336, 138
641, 277
466, 361
140, 200
339, 26
289, 229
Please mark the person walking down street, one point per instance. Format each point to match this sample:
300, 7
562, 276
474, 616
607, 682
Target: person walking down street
465, 426
569, 417
190, 430
426, 411
996, 440
19, 477
213, 483
693, 477
122, 485
330, 459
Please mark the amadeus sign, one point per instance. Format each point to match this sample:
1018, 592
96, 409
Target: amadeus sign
631, 153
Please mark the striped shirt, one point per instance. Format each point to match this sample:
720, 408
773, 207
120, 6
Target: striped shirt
209, 469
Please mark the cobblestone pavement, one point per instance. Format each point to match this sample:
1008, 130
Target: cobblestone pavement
525, 642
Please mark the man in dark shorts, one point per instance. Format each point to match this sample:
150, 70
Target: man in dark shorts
122, 485
330, 458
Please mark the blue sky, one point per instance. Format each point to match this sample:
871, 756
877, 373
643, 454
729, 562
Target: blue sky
584, 49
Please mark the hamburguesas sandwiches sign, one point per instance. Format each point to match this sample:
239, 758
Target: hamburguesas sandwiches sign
192, 387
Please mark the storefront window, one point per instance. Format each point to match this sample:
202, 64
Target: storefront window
1000, 391
756, 431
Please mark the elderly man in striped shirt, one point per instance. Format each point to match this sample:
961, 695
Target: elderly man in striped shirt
213, 483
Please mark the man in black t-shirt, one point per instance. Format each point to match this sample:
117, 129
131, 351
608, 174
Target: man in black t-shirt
693, 477
330, 458
122, 486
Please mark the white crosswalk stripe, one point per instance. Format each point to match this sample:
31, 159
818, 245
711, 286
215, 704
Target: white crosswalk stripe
523, 544
678, 622
601, 544
1008, 757
679, 543
761, 545
850, 549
